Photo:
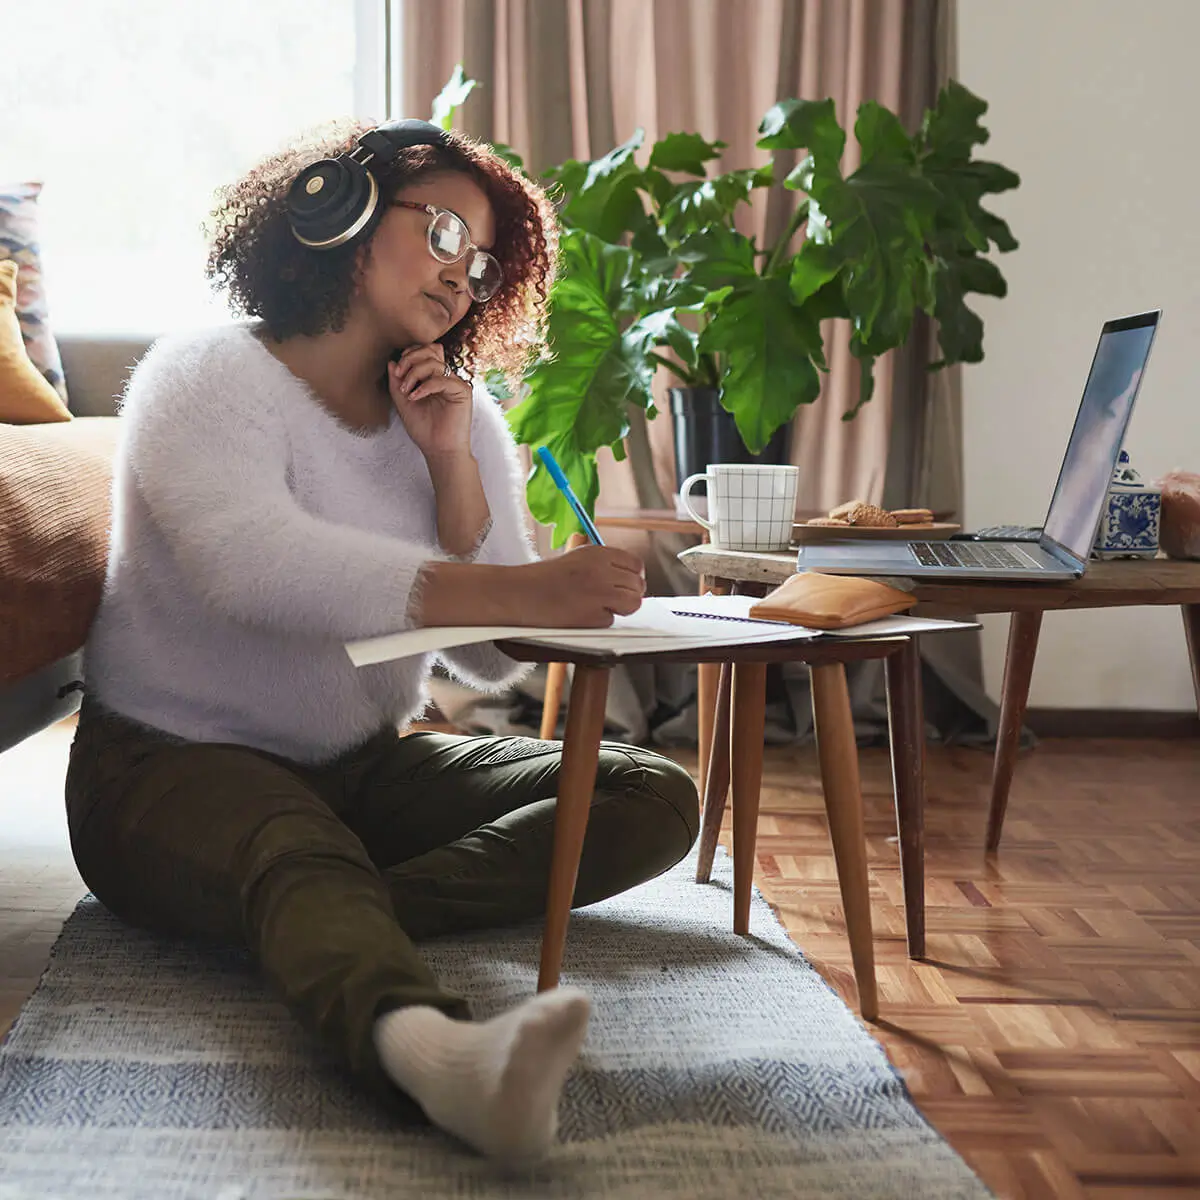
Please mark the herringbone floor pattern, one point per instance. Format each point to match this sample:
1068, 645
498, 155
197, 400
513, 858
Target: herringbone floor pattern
1053, 1035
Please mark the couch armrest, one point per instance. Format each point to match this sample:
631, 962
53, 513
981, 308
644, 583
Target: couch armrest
97, 368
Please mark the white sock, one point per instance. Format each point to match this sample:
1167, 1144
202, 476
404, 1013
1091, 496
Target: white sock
496, 1083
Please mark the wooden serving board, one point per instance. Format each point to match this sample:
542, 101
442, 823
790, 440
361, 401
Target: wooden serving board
937, 531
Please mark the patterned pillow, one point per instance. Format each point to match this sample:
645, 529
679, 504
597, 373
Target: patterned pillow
18, 241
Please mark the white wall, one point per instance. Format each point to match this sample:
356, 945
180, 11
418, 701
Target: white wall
1094, 104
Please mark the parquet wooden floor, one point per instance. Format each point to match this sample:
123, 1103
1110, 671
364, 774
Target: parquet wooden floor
1053, 1034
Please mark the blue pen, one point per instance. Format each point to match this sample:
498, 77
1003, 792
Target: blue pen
564, 486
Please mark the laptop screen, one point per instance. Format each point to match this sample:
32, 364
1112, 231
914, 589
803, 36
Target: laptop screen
1095, 445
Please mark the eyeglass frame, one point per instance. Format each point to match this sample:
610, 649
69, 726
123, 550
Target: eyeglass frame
436, 212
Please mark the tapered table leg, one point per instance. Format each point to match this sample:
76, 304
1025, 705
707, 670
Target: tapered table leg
716, 778
906, 723
556, 673
707, 676
838, 754
576, 782
749, 705
1023, 632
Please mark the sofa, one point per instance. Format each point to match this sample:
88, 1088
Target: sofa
55, 482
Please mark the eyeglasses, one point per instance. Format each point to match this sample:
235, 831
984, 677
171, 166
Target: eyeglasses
450, 240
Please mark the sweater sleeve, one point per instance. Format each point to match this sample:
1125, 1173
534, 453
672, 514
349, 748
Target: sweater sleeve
507, 542
209, 459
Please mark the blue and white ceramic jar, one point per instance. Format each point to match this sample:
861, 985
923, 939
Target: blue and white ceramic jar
1129, 524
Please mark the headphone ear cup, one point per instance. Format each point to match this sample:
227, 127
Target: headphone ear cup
330, 202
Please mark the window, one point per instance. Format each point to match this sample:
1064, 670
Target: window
132, 112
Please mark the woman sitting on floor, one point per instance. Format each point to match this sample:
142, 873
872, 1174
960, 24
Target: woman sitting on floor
321, 473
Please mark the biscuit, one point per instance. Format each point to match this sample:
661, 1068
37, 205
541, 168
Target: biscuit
913, 516
836, 522
871, 515
840, 512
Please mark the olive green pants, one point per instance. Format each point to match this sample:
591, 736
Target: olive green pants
330, 873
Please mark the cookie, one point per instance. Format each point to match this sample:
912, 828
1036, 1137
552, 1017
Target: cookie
913, 516
842, 510
871, 516
829, 521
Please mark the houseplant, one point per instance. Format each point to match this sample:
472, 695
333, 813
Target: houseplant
655, 273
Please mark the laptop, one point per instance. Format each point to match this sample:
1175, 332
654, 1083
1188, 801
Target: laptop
1076, 507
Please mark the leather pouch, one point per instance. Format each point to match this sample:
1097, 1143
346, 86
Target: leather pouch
831, 601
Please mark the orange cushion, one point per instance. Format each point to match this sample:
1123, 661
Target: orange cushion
831, 601
55, 516
25, 395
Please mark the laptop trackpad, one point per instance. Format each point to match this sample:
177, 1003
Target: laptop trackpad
856, 554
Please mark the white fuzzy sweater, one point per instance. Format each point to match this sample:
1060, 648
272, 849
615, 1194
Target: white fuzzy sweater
254, 534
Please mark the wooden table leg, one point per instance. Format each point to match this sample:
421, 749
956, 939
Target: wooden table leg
556, 673
576, 782
748, 694
707, 676
1191, 628
1023, 632
906, 722
838, 754
716, 778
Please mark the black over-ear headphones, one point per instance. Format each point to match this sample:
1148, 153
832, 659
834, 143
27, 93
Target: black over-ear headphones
335, 201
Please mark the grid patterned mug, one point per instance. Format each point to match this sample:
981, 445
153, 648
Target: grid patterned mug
749, 507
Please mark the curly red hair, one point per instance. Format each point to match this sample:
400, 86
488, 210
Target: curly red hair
268, 274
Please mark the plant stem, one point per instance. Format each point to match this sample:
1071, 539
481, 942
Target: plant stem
780, 248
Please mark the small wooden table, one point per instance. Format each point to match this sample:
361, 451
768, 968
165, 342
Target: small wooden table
838, 754
1119, 584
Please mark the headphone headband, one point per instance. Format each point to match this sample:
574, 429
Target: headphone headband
335, 201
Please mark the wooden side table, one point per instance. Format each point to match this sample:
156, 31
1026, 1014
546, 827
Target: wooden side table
1118, 584
838, 755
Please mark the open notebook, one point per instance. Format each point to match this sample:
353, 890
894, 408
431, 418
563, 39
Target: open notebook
663, 623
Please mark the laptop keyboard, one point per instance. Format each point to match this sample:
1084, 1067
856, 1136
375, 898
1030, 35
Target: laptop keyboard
970, 554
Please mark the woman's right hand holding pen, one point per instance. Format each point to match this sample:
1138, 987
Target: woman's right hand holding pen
583, 588
579, 589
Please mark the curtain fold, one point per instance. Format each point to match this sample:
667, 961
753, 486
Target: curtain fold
573, 78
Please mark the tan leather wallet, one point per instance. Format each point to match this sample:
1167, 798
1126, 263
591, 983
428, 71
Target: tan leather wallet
831, 601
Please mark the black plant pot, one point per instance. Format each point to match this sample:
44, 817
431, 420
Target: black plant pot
705, 433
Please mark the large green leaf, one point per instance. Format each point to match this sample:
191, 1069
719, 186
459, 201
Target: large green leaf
804, 125
685, 152
718, 256
767, 346
695, 205
607, 202
877, 219
547, 504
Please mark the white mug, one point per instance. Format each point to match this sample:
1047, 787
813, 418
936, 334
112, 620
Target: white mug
750, 507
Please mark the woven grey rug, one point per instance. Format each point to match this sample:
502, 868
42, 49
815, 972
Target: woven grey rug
715, 1066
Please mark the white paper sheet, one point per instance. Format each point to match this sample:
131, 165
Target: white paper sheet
662, 624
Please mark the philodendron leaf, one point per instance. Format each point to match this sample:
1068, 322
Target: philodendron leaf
767, 346
686, 152
452, 96
695, 205
812, 268
718, 256
963, 228
547, 504
579, 397
804, 125
877, 220
607, 202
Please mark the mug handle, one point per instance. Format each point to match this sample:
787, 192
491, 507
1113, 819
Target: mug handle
684, 491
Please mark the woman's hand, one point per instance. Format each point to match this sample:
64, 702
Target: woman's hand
434, 407
583, 588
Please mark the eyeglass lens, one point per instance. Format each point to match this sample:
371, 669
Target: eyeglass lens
449, 240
